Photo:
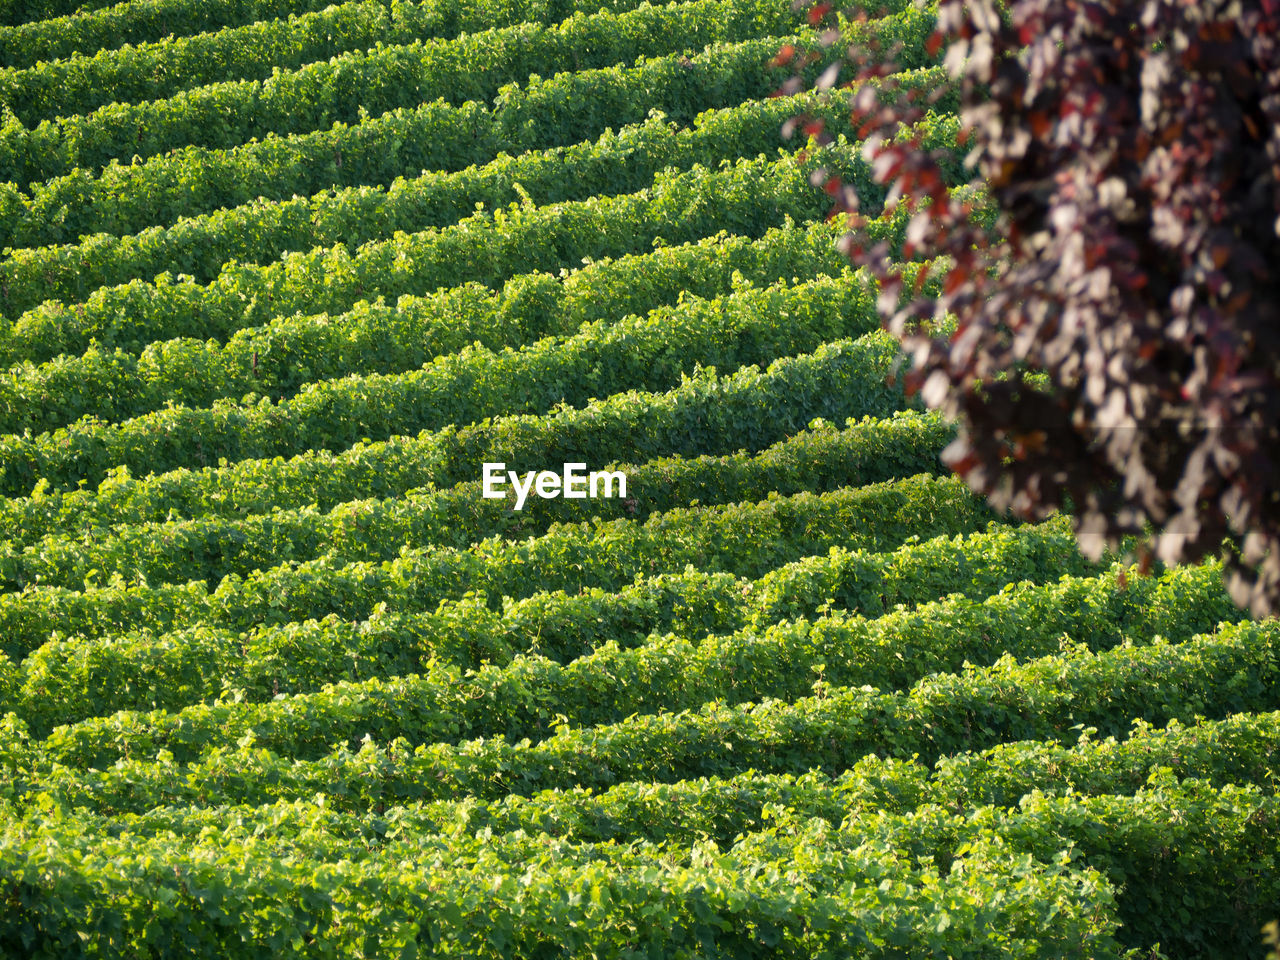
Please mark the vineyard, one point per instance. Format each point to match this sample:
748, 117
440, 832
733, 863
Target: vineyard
276, 678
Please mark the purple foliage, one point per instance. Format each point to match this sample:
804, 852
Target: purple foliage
1130, 154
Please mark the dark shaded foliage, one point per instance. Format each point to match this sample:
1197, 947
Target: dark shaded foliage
1130, 153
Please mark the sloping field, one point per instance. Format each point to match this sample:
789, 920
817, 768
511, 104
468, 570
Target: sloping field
278, 679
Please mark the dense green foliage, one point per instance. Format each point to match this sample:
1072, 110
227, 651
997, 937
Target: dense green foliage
296, 350
78, 84
277, 679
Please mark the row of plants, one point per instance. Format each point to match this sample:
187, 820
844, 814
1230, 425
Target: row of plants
1115, 833
606, 554
807, 891
1049, 698
398, 626
94, 76
896, 445
539, 114
394, 629
1238, 750
530, 695
100, 23
681, 424
713, 807
437, 137
1241, 749
178, 659
705, 413
371, 82
1164, 848
261, 231
747, 198
115, 385
209, 548
651, 353
398, 629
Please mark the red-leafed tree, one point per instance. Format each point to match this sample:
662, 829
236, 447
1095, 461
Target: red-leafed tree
1130, 151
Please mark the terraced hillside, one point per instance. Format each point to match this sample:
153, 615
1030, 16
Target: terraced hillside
278, 680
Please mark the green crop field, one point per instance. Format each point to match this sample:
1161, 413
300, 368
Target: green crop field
279, 679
